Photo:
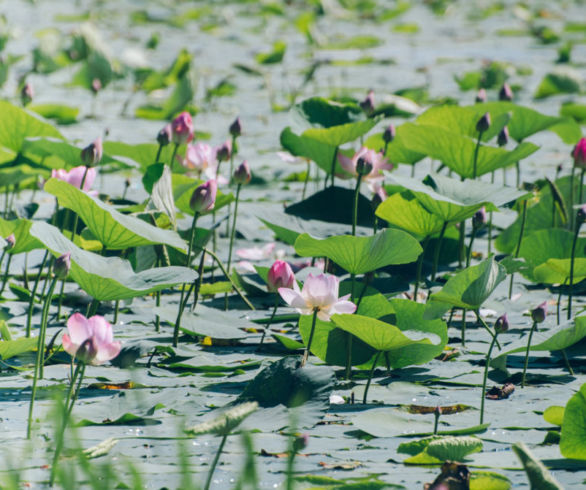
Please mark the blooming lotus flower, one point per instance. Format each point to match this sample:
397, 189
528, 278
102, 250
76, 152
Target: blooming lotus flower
319, 293
201, 157
182, 127
75, 176
203, 198
579, 154
280, 276
377, 160
257, 253
90, 340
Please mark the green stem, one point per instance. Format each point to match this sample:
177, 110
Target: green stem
232, 160
581, 186
485, 378
533, 328
572, 259
461, 238
76, 216
116, 308
215, 462
333, 169
268, 325
571, 221
476, 150
356, 196
306, 180
436, 417
158, 157
6, 270
420, 268
463, 327
518, 168
187, 264
44, 321
437, 250
199, 280
225, 272
175, 148
29, 316
490, 221
567, 362
485, 326
232, 235
518, 249
469, 255
370, 376
307, 349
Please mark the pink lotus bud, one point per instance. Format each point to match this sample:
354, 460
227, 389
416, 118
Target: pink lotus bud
164, 136
301, 442
91, 155
483, 123
280, 276
481, 96
96, 85
579, 154
236, 128
538, 314
203, 198
10, 241
503, 137
224, 151
242, 173
62, 266
479, 218
367, 105
27, 94
581, 214
182, 128
502, 324
389, 134
506, 93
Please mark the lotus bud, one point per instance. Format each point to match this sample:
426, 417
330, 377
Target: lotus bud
503, 137
438, 411
182, 128
164, 136
301, 442
62, 266
96, 86
27, 94
579, 154
479, 218
280, 276
203, 198
389, 134
91, 155
242, 173
224, 151
236, 128
363, 166
538, 314
481, 96
367, 105
502, 324
506, 93
483, 123
87, 351
581, 214
10, 241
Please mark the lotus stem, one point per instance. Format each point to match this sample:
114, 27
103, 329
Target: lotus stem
29, 315
333, 169
6, 270
268, 325
232, 159
436, 416
571, 223
567, 362
116, 308
356, 196
476, 150
38, 370
420, 268
485, 377
215, 462
518, 249
159, 151
187, 264
518, 169
526, 363
371, 372
572, 260
437, 250
581, 186
174, 154
232, 235
306, 180
469, 254
199, 280
485, 326
307, 349
490, 222
225, 272
463, 327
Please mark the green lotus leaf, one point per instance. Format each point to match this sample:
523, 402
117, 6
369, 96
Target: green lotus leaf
573, 437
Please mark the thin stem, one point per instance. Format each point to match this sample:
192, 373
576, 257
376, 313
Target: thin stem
268, 325
232, 235
581, 186
461, 238
116, 308
225, 272
6, 270
306, 180
187, 264
518, 169
199, 280
356, 196
567, 362
44, 321
518, 249
463, 327
232, 159
485, 326
370, 376
571, 223
469, 255
333, 169
29, 316
420, 268
490, 221
158, 157
175, 148
533, 328
348, 372
476, 150
215, 462
307, 349
438, 246
485, 378
572, 260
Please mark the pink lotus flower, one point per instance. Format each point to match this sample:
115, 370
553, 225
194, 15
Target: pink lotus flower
579, 154
201, 157
319, 293
257, 253
182, 127
377, 160
75, 176
203, 198
90, 340
280, 276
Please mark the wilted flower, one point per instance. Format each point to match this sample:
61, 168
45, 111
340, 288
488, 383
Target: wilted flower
280, 276
389, 133
503, 137
377, 160
62, 266
502, 324
10, 241
224, 151
242, 174
27, 94
579, 154
506, 93
164, 135
319, 293
483, 123
236, 128
75, 176
90, 340
91, 155
367, 105
182, 128
203, 198
538, 314
481, 95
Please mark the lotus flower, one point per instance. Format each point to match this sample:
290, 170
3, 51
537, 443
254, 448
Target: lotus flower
182, 127
75, 176
579, 154
242, 174
90, 340
319, 293
91, 155
203, 198
257, 253
201, 157
377, 160
280, 276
